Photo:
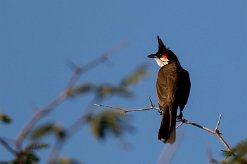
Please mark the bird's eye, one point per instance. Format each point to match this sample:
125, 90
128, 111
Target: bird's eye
164, 56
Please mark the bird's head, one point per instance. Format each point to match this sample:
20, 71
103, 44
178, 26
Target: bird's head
163, 56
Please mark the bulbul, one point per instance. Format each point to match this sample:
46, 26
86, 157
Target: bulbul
172, 89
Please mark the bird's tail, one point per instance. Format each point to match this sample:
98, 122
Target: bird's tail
167, 131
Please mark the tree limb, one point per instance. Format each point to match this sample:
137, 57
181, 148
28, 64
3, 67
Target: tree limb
7, 146
182, 121
216, 131
78, 71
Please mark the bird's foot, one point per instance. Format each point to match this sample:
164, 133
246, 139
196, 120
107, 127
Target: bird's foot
160, 112
180, 116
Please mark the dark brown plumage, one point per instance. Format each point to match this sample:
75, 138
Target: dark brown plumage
173, 88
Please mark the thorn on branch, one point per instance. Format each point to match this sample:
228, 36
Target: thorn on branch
152, 105
218, 123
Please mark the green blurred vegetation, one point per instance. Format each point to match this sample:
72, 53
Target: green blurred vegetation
102, 123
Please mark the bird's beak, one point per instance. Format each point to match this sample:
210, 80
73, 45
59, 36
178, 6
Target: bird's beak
152, 56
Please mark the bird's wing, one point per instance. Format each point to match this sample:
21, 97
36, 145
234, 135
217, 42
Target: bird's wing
184, 88
167, 84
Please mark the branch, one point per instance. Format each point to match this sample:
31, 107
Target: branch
78, 71
182, 121
37, 116
6, 145
73, 128
216, 132
126, 110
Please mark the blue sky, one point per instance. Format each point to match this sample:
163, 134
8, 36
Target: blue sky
38, 38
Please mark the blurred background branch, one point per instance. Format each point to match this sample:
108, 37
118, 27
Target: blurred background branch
101, 123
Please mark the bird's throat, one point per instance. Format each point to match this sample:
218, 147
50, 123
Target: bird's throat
161, 63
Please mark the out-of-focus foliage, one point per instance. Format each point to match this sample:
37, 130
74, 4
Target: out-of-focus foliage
102, 123
106, 122
5, 118
65, 160
135, 77
238, 154
101, 91
48, 128
81, 89
25, 157
105, 90
35, 146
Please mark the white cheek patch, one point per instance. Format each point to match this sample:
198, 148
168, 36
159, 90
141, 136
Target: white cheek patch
162, 61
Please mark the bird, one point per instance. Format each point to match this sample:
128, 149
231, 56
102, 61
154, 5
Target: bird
172, 90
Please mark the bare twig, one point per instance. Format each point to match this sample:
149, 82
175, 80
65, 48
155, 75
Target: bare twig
6, 145
216, 132
126, 110
77, 124
38, 115
182, 121
82, 69
63, 95
152, 107
180, 124
72, 129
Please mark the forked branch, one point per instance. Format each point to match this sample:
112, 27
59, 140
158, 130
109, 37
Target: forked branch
63, 96
216, 131
182, 121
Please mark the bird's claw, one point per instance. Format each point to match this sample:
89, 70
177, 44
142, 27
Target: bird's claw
180, 116
160, 112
